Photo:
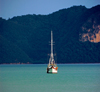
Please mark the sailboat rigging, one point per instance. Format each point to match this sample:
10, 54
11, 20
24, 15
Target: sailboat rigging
52, 67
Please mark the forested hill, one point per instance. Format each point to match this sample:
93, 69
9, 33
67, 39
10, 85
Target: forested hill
76, 31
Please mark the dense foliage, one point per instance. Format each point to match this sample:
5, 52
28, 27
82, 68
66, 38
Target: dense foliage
25, 39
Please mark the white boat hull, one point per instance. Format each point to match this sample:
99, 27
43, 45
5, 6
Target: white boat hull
52, 70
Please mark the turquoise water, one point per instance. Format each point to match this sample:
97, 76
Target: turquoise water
33, 78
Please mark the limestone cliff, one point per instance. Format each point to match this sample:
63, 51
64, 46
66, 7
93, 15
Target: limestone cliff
90, 30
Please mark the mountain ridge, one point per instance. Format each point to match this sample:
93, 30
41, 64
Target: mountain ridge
25, 39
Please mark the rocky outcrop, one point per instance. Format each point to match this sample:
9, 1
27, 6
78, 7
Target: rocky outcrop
90, 31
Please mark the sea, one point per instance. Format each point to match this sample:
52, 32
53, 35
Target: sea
33, 78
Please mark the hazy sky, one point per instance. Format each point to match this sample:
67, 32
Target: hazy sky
11, 8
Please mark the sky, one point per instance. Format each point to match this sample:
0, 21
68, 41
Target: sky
11, 8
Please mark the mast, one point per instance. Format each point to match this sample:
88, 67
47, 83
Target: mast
51, 60
51, 45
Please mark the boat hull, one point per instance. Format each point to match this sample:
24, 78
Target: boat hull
52, 70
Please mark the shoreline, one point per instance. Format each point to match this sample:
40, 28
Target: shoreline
44, 63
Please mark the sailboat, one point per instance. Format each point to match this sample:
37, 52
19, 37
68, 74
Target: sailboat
52, 67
